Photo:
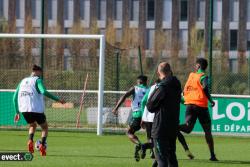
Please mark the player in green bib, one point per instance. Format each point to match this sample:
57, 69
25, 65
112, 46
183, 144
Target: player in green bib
138, 93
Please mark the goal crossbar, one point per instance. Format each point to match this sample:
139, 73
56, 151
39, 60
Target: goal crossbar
52, 36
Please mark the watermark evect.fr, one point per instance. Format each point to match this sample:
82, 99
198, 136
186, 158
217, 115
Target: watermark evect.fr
20, 156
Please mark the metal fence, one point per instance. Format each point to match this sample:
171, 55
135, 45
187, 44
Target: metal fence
67, 62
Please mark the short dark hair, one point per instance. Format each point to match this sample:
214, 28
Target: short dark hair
142, 78
37, 68
202, 62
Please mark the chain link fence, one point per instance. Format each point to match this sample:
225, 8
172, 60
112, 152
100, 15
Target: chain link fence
67, 63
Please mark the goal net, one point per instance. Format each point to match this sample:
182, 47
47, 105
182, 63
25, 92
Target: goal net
72, 63
66, 60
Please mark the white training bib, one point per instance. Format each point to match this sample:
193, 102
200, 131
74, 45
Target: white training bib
139, 93
148, 116
29, 100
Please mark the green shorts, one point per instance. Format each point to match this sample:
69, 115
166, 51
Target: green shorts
135, 124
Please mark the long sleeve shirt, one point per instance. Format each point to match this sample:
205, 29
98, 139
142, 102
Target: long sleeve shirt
40, 89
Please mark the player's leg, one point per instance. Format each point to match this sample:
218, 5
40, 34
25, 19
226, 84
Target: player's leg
210, 141
184, 144
29, 117
205, 121
132, 137
32, 130
155, 164
152, 153
44, 135
190, 119
41, 120
134, 126
149, 143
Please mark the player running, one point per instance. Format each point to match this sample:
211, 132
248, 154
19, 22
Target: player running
28, 100
137, 92
196, 96
147, 121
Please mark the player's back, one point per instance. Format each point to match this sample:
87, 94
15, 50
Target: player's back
29, 99
139, 93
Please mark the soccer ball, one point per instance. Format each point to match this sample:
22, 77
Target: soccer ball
38, 143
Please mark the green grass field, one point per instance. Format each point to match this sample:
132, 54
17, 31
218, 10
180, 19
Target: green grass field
71, 149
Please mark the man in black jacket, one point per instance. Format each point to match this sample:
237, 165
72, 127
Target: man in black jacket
165, 103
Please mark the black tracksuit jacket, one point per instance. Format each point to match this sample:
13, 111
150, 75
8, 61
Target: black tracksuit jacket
165, 103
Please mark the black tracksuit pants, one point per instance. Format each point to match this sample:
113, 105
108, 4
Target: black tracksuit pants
165, 152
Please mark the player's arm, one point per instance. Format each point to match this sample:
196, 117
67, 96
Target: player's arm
42, 89
204, 83
15, 102
156, 99
130, 92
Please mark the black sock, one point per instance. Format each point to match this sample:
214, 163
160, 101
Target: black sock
31, 136
212, 154
182, 141
44, 140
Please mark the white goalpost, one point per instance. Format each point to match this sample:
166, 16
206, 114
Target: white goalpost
100, 38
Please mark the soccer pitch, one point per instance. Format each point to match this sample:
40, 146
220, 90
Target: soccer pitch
88, 150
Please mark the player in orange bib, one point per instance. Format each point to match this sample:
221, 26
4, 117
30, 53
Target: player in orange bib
196, 96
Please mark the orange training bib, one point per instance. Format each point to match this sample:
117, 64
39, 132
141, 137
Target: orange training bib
193, 91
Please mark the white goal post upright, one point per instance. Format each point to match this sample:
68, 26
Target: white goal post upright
101, 85
101, 39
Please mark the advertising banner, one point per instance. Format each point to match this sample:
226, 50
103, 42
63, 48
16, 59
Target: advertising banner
229, 115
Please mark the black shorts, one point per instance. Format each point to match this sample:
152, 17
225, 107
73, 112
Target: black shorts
193, 112
135, 124
148, 126
32, 117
